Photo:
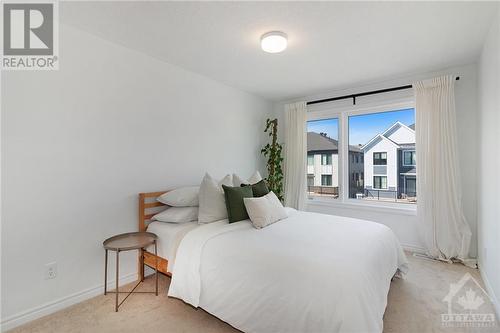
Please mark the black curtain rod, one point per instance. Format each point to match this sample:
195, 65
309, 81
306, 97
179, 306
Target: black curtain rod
354, 96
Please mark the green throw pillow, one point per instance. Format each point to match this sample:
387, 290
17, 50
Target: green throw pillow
236, 210
259, 189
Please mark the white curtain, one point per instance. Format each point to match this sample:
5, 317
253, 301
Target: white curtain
441, 220
295, 155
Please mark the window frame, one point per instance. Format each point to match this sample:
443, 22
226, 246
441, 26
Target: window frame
380, 158
310, 156
327, 177
342, 110
327, 157
381, 177
409, 151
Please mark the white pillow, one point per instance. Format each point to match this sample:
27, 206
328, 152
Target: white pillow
212, 202
177, 215
181, 197
255, 178
265, 210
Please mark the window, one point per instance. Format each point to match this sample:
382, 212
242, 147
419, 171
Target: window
323, 141
362, 154
379, 158
326, 159
310, 180
310, 159
385, 138
326, 180
380, 182
409, 158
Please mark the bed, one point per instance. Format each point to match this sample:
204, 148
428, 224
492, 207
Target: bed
307, 273
148, 207
169, 234
169, 238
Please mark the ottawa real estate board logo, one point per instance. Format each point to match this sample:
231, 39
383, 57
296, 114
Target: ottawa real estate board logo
30, 35
468, 305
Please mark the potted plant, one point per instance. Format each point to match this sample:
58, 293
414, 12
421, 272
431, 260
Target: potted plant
272, 151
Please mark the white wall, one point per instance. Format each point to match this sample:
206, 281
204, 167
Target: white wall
80, 143
404, 225
489, 162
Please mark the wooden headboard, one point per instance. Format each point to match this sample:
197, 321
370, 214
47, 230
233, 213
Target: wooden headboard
148, 207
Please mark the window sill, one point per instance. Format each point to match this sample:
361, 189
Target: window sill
389, 208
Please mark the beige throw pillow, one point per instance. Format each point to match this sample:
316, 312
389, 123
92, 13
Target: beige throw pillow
211, 199
255, 178
265, 210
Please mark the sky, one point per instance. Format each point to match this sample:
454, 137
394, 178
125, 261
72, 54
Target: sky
363, 128
329, 126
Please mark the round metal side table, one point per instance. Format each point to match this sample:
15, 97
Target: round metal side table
126, 242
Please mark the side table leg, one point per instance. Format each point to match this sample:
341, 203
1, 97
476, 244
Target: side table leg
106, 272
117, 270
141, 265
156, 267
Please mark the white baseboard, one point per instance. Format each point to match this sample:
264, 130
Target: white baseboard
59, 304
491, 293
413, 248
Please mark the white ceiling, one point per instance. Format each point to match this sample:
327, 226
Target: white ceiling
331, 44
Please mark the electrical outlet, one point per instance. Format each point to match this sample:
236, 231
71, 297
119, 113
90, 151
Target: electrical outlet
50, 271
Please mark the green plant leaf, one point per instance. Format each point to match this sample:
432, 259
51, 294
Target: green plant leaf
273, 152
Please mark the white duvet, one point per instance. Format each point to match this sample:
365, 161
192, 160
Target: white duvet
307, 273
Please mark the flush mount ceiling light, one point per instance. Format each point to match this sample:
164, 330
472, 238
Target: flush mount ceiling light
273, 41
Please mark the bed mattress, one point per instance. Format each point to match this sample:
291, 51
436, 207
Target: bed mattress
169, 237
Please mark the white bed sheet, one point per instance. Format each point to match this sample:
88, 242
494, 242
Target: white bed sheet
307, 273
169, 238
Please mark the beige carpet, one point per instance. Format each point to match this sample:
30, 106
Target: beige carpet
414, 306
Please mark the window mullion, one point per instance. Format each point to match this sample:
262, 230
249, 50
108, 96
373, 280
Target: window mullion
344, 156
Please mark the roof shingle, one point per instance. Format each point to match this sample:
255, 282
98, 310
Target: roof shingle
321, 142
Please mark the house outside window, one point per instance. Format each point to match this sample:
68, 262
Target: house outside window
387, 175
323, 159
